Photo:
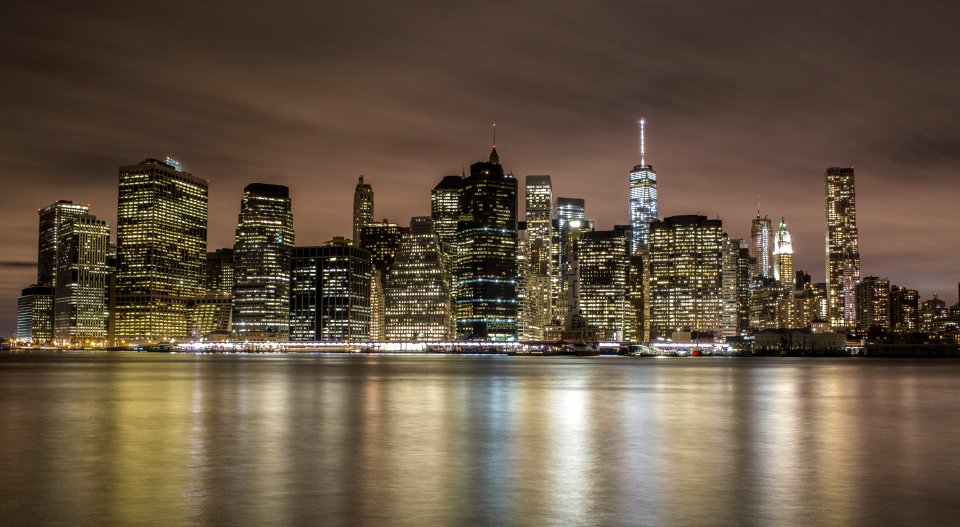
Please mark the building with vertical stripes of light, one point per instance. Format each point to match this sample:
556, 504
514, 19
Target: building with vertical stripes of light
261, 263
842, 246
643, 196
761, 243
80, 308
161, 250
330, 293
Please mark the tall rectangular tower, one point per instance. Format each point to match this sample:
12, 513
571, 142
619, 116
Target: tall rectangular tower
83, 278
161, 250
362, 208
643, 196
761, 242
842, 247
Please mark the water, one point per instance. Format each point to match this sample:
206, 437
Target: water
127, 438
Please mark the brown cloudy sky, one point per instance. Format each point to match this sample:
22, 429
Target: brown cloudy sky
747, 102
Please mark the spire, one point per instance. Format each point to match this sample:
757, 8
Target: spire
494, 158
643, 141
361, 179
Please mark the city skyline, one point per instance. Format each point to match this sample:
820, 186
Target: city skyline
719, 139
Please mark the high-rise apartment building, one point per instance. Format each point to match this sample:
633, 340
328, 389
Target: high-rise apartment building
261, 260
735, 294
417, 295
330, 287
161, 250
904, 310
873, 303
783, 256
686, 267
842, 247
761, 242
485, 271
362, 208
82, 282
643, 196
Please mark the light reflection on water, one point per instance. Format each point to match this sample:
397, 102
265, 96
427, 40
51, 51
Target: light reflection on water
423, 440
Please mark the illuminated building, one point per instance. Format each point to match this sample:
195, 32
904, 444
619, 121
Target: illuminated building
873, 303
686, 267
381, 241
735, 295
904, 310
35, 315
52, 219
569, 209
213, 312
329, 293
485, 269
643, 196
83, 276
783, 256
417, 293
362, 208
761, 241
445, 210
604, 273
770, 305
161, 250
261, 263
933, 313
638, 294
843, 253
809, 305
538, 254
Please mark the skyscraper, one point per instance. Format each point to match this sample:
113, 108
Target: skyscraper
783, 256
213, 312
761, 241
35, 315
381, 241
643, 196
842, 247
161, 250
736, 287
686, 265
445, 210
904, 310
873, 303
486, 256
52, 219
330, 287
418, 299
539, 256
83, 276
569, 209
362, 208
604, 271
261, 252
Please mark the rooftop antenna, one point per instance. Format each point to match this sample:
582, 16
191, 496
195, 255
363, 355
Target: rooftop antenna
494, 134
643, 141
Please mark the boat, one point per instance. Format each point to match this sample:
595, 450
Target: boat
581, 349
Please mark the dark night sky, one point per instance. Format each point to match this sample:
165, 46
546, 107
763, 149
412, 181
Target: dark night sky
746, 101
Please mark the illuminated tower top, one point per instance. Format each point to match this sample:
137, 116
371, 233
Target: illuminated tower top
643, 206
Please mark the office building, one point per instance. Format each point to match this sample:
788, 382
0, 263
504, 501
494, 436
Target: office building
35, 315
417, 295
362, 208
330, 287
735, 287
52, 219
569, 209
82, 282
604, 275
261, 264
161, 250
643, 196
842, 247
213, 312
485, 269
686, 267
445, 210
761, 242
538, 256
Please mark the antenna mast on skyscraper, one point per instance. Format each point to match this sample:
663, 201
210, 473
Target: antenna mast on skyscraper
494, 134
643, 142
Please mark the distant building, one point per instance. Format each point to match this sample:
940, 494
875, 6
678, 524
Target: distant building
735, 287
445, 210
604, 262
569, 209
52, 220
485, 271
761, 242
418, 299
643, 197
213, 312
362, 208
539, 255
783, 256
686, 266
261, 261
904, 310
161, 250
381, 241
330, 288
35, 315
873, 303
82, 283
843, 253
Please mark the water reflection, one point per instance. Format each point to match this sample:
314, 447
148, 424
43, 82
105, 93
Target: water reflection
418, 440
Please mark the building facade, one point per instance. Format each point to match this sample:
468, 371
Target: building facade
261, 264
35, 315
873, 304
761, 242
842, 247
604, 274
362, 208
783, 256
329, 293
83, 278
161, 250
904, 310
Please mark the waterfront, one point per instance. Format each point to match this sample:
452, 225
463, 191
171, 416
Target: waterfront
128, 438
